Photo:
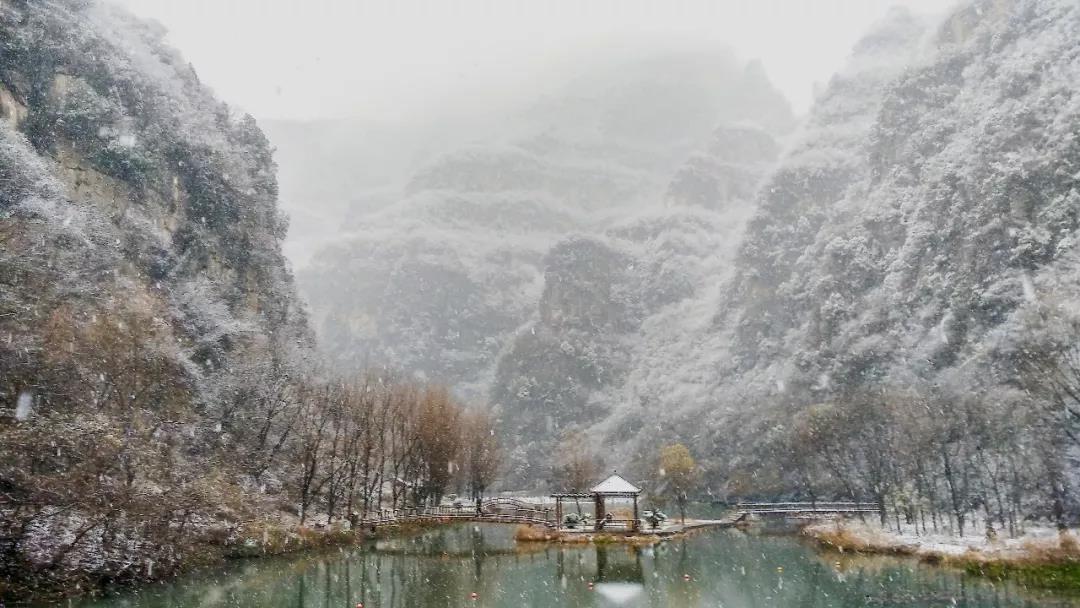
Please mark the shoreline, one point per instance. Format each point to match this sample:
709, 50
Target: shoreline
258, 539
269, 538
644, 538
1042, 557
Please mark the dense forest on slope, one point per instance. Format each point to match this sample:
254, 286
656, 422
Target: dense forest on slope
144, 301
902, 319
158, 390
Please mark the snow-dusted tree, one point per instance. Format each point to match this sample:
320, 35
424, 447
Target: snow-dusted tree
678, 475
482, 452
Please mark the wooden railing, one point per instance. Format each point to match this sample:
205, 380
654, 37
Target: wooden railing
809, 508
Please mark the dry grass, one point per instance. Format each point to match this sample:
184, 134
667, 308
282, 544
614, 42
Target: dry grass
574, 539
842, 538
1065, 548
1051, 562
271, 537
641, 540
533, 534
1045, 563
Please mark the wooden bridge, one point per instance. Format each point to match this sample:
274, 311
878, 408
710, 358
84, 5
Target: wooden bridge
493, 510
803, 510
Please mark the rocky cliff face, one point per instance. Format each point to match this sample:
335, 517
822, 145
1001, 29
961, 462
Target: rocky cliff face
803, 196
608, 303
731, 169
143, 294
580, 277
960, 194
127, 135
919, 232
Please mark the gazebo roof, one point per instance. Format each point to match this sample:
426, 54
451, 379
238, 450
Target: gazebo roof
615, 484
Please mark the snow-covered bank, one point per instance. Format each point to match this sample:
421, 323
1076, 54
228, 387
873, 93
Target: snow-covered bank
1040, 556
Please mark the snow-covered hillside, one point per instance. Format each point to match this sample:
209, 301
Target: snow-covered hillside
916, 245
145, 305
447, 281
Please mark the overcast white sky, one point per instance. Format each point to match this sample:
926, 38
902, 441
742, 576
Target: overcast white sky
388, 59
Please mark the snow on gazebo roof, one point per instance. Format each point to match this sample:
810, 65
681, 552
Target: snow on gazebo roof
615, 485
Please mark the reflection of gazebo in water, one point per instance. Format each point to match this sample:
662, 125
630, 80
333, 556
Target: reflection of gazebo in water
619, 565
612, 487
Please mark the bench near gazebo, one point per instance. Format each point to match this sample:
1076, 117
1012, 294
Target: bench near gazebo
613, 487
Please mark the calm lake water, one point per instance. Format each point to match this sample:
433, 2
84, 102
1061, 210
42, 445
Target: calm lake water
442, 567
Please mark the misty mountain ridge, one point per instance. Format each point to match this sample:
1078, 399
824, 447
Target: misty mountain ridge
661, 301
592, 104
440, 281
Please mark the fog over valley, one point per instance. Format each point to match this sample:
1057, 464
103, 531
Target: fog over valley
278, 276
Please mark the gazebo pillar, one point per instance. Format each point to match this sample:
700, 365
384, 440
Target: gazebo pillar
599, 511
634, 525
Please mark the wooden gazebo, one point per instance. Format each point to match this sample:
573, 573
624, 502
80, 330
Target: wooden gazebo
612, 487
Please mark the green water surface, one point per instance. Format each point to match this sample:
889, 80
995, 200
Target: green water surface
444, 566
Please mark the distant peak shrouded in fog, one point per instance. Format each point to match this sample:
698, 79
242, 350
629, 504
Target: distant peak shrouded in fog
594, 172
633, 108
407, 60
518, 261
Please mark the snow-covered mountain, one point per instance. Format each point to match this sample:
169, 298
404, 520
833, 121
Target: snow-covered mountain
613, 301
144, 299
606, 269
444, 281
919, 235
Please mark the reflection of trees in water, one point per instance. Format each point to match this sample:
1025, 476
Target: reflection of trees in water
455, 540
328, 589
574, 564
684, 558
727, 569
478, 547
